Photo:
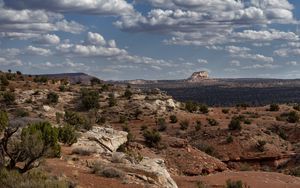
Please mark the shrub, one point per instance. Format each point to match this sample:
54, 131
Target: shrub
173, 119
83, 151
274, 108
32, 179
247, 121
137, 113
67, 135
89, 99
108, 172
21, 112
4, 81
38, 140
95, 81
127, 94
225, 111
41, 79
52, 97
296, 107
203, 108
212, 122
76, 120
234, 184
101, 120
62, 88
198, 125
161, 124
9, 97
260, 145
184, 124
291, 117
3, 120
152, 137
208, 149
235, 124
122, 119
144, 127
229, 139
58, 117
112, 100
295, 172
191, 106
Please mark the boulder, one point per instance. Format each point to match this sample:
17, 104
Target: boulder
101, 140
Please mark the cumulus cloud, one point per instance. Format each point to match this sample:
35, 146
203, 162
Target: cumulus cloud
26, 24
285, 52
100, 7
38, 51
95, 39
48, 39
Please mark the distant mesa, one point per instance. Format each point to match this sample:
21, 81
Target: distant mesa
198, 76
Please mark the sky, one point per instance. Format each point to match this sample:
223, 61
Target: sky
152, 39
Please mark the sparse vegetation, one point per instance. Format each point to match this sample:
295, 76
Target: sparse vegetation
184, 124
89, 99
173, 119
225, 111
260, 145
191, 106
234, 184
212, 122
112, 101
67, 135
152, 137
274, 108
229, 139
235, 124
291, 117
52, 98
9, 97
161, 124
127, 94
198, 125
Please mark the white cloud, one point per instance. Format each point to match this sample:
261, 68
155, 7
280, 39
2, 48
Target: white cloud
48, 39
38, 51
95, 39
26, 24
100, 7
293, 63
202, 61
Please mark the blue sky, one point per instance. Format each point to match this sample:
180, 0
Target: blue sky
151, 39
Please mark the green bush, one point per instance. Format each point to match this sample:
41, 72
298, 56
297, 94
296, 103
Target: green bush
234, 184
212, 122
173, 119
3, 120
9, 97
32, 179
225, 111
21, 113
62, 88
260, 145
274, 108
295, 172
4, 81
161, 124
127, 94
184, 124
203, 108
112, 101
41, 79
198, 125
291, 117
296, 107
122, 119
152, 137
67, 135
191, 106
229, 139
235, 124
89, 99
137, 113
52, 98
76, 120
